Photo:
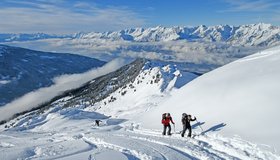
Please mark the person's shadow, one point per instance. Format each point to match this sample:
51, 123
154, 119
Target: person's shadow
197, 124
215, 128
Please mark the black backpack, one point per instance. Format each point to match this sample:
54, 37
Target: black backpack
184, 118
163, 115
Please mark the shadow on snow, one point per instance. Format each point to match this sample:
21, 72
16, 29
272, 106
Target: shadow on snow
215, 128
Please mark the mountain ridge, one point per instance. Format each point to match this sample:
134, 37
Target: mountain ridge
104, 89
260, 34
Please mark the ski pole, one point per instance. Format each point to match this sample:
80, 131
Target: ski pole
199, 126
174, 128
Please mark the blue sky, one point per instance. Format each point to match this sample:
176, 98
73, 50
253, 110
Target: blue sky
68, 16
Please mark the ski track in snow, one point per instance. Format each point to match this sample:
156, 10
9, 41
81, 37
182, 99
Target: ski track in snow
136, 144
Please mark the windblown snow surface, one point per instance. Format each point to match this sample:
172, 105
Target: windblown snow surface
238, 99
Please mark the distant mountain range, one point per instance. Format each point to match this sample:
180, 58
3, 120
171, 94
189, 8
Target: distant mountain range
246, 35
254, 34
10, 37
23, 70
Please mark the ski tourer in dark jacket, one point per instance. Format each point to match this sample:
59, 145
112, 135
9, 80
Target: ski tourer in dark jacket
166, 119
186, 121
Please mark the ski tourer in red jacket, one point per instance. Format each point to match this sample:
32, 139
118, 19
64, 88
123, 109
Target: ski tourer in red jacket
166, 119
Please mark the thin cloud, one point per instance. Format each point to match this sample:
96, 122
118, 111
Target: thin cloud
276, 16
250, 6
50, 17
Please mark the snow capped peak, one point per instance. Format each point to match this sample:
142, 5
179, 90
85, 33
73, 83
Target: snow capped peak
160, 27
260, 25
79, 34
201, 27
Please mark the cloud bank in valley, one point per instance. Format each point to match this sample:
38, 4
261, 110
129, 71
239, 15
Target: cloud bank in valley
62, 83
217, 53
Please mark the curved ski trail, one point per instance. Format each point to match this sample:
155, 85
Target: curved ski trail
145, 144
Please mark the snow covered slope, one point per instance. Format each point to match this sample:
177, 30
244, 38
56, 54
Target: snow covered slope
241, 98
65, 128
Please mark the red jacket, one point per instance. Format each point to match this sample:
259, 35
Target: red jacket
166, 121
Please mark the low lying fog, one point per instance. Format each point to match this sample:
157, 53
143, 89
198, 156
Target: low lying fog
62, 83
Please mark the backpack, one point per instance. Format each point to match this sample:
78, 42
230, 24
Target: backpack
184, 118
164, 116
